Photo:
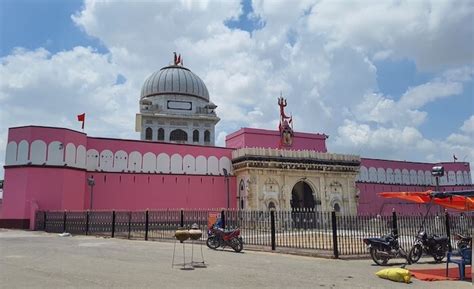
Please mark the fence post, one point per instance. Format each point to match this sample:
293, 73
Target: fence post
272, 225
129, 223
113, 224
181, 220
64, 222
44, 225
146, 225
394, 223
87, 222
448, 230
223, 219
334, 235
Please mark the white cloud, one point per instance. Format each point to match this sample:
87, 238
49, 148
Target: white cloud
318, 53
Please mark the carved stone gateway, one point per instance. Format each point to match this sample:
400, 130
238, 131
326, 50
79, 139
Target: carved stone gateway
286, 179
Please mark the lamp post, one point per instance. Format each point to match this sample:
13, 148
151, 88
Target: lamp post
437, 172
91, 183
226, 175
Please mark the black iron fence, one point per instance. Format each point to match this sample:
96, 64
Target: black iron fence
297, 229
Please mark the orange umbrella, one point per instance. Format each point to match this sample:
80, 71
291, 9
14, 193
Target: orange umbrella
448, 200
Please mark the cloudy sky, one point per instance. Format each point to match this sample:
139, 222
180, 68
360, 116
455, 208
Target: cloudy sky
384, 79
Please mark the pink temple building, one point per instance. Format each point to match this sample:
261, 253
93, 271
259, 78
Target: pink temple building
176, 165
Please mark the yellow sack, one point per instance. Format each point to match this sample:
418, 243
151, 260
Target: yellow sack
395, 274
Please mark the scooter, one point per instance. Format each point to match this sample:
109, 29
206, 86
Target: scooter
385, 248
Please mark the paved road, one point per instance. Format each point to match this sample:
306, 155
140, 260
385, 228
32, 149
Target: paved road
42, 260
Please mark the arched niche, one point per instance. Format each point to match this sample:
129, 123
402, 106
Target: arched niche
38, 152
224, 163
372, 174
149, 162
120, 161
55, 153
201, 165
189, 164
23, 150
81, 156
135, 162
70, 157
106, 160
163, 163
213, 166
364, 174
10, 157
176, 164
390, 176
381, 177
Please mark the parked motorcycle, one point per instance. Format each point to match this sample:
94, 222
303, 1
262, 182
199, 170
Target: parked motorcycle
463, 241
385, 248
219, 237
430, 244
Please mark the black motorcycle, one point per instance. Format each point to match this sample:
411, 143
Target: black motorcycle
431, 245
385, 248
463, 242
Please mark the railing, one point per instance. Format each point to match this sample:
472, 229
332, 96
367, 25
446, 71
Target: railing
296, 230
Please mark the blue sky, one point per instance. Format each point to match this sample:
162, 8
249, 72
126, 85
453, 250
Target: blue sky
274, 46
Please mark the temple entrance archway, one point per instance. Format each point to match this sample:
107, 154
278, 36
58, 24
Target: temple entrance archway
302, 196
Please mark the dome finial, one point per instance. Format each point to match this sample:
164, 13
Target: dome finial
177, 59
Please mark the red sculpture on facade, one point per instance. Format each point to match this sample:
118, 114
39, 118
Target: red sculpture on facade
286, 125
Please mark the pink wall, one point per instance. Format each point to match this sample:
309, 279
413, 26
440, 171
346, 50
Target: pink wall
47, 134
393, 164
154, 191
251, 137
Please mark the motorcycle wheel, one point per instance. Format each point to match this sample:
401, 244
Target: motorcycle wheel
439, 252
212, 242
377, 257
237, 245
415, 253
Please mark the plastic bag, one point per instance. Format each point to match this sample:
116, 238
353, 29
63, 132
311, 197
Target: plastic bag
395, 274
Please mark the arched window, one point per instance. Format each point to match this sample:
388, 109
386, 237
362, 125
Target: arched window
161, 134
178, 135
148, 133
337, 208
207, 136
195, 135
271, 206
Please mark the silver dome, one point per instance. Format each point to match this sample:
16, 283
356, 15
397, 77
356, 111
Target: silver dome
174, 79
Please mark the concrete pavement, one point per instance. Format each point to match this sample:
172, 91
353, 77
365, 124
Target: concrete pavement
45, 260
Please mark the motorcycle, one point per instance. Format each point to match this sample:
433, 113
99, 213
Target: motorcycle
430, 244
385, 248
463, 241
218, 237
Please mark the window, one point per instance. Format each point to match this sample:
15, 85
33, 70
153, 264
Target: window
161, 134
337, 208
178, 135
195, 135
148, 133
207, 136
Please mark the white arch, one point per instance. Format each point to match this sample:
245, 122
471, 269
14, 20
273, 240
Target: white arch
428, 178
201, 165
106, 160
70, 157
381, 177
189, 164
398, 176
176, 164
406, 176
390, 176
23, 149
10, 157
213, 166
135, 162
55, 153
81, 156
451, 178
92, 160
224, 163
120, 161
421, 177
372, 174
163, 163
444, 179
467, 178
149, 162
413, 177
459, 178
364, 174
38, 152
